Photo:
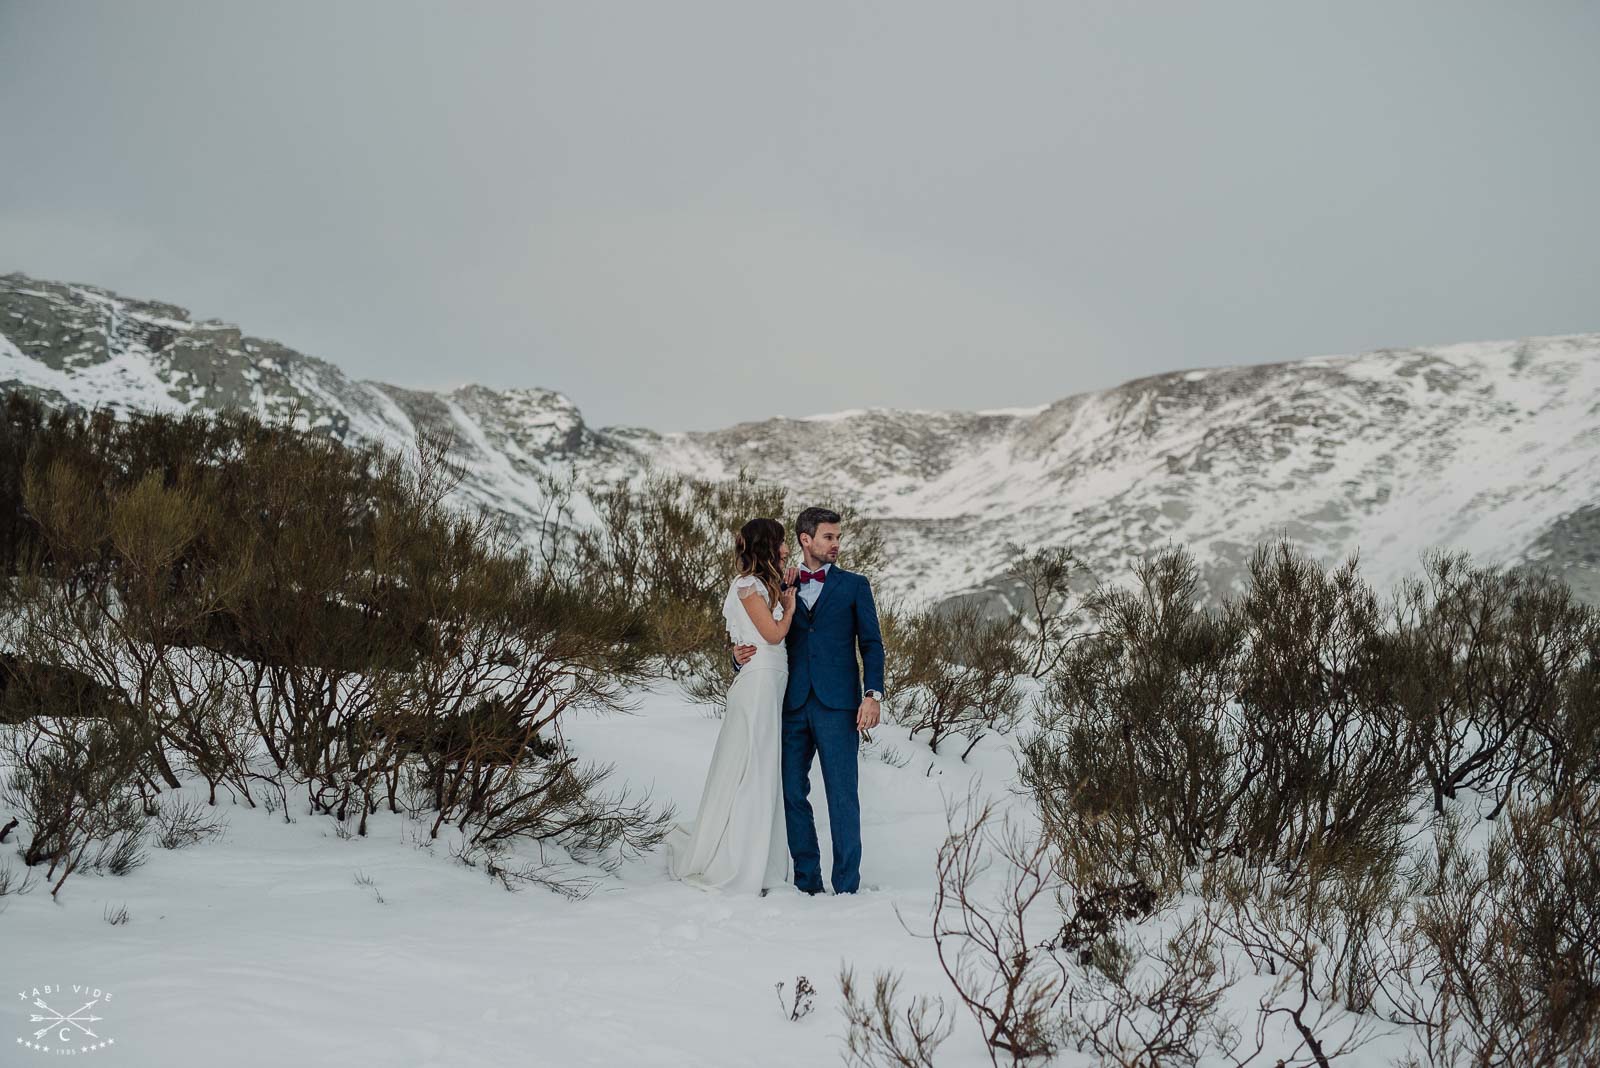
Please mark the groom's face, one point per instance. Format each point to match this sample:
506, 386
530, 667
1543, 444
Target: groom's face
824, 544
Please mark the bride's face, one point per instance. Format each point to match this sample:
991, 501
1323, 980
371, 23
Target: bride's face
783, 553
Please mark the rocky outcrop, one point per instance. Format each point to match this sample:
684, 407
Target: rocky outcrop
1492, 447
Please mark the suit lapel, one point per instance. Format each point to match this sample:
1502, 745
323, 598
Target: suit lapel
835, 576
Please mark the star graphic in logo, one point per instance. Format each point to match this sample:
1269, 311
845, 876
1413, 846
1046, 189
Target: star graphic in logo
102, 1044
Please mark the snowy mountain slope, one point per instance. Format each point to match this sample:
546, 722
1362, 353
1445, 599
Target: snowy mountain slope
1493, 447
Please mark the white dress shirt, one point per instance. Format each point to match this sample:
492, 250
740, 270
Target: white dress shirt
810, 591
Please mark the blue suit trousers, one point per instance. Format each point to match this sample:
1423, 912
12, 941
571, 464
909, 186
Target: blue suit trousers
830, 734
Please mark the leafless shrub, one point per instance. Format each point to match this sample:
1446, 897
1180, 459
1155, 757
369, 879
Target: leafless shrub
882, 1034
561, 802
1044, 577
115, 917
871, 747
12, 884
120, 851
1284, 748
1134, 765
801, 1002
1510, 942
1099, 982
1342, 920
1325, 1032
1502, 678
1009, 981
370, 883
1140, 1005
1271, 731
207, 588
1329, 760
72, 782
1570, 728
957, 673
650, 546
180, 822
1099, 910
512, 877
1320, 934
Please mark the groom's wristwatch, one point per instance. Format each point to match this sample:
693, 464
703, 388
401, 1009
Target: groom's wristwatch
876, 695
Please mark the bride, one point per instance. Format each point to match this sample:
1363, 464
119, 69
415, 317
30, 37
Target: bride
738, 843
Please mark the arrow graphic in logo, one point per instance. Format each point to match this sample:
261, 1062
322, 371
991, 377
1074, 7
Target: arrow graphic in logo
56, 1018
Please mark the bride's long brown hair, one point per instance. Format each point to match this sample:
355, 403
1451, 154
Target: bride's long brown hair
756, 547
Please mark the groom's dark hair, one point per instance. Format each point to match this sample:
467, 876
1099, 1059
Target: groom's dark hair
808, 520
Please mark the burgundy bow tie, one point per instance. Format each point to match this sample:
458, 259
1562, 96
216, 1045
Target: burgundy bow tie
811, 576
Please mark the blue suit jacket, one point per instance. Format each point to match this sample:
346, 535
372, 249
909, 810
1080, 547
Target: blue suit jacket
823, 639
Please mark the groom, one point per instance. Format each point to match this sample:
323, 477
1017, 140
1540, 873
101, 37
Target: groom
824, 708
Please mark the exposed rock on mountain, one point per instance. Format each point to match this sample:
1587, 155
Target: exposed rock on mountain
1492, 447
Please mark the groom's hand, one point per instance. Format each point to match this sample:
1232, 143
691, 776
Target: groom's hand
867, 714
743, 653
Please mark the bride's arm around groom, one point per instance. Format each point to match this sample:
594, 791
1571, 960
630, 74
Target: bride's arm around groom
868, 641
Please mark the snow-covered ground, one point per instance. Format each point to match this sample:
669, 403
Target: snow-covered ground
261, 948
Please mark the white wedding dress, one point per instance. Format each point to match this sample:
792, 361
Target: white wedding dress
738, 843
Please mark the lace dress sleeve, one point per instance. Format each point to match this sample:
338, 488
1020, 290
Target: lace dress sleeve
750, 586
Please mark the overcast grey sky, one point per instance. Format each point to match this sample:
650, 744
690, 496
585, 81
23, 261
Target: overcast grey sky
687, 214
